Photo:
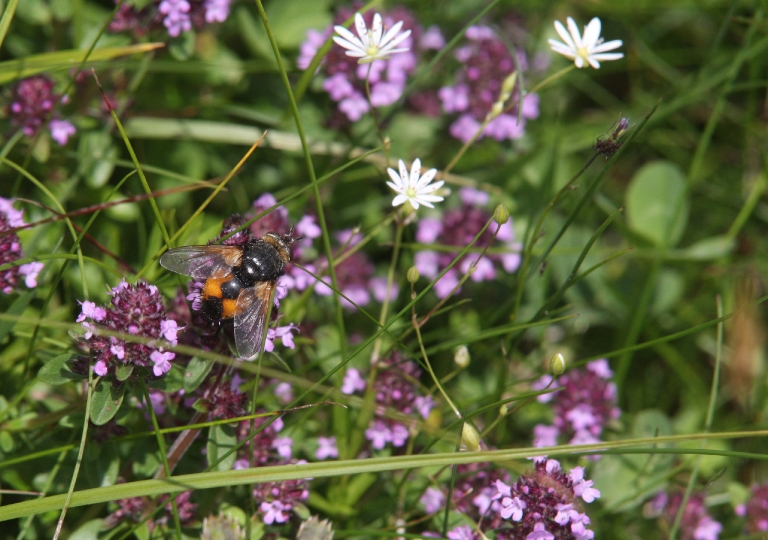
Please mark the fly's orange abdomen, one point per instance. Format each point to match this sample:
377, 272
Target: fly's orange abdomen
228, 308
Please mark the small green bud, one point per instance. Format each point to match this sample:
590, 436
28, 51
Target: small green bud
509, 83
497, 109
557, 364
470, 438
501, 214
461, 356
503, 410
412, 275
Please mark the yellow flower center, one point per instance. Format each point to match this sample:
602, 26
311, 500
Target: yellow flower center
583, 53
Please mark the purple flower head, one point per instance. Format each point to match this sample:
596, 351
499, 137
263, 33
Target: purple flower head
485, 64
225, 400
584, 405
474, 491
353, 382
276, 221
265, 449
462, 532
135, 309
396, 388
282, 333
355, 275
696, 524
756, 509
61, 131
216, 10
277, 500
10, 250
32, 101
432, 500
130, 19
544, 504
458, 227
177, 19
326, 448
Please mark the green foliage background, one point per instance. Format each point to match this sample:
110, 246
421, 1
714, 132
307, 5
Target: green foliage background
691, 181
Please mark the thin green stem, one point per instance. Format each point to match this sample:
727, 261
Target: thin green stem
163, 452
313, 179
80, 452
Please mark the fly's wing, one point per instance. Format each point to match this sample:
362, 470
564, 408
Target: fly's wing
251, 314
202, 262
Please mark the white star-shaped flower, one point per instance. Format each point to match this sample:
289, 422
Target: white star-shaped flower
589, 49
371, 43
414, 187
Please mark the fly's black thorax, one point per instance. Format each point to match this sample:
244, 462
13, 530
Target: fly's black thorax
260, 262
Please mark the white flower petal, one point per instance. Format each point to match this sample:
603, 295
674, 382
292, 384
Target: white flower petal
592, 62
426, 178
559, 48
395, 178
415, 203
392, 33
423, 203
403, 173
400, 199
352, 48
377, 29
415, 173
564, 35
575, 34
608, 46
362, 30
395, 188
347, 35
432, 187
608, 56
591, 33
432, 198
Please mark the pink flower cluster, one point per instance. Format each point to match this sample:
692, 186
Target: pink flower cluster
10, 250
396, 388
138, 310
485, 63
345, 78
756, 509
696, 524
276, 500
545, 505
355, 275
32, 102
458, 227
177, 16
180, 15
584, 404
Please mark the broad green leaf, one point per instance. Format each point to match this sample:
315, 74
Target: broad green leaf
106, 401
657, 204
6, 442
17, 308
88, 530
195, 373
669, 289
123, 371
714, 247
62, 60
290, 21
173, 381
56, 371
221, 439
